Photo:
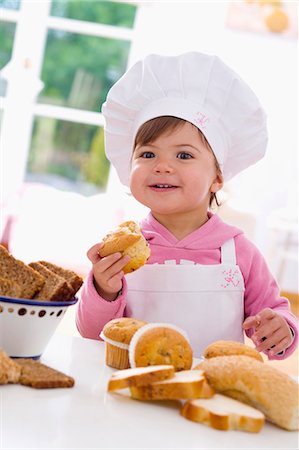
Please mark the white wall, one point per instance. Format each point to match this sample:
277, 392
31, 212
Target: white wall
268, 63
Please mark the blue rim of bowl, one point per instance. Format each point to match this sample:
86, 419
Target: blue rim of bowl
24, 301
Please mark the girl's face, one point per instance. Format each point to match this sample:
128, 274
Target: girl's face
175, 174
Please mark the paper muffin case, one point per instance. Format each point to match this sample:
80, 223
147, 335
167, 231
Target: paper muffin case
116, 353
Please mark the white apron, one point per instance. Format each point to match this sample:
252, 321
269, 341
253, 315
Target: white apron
207, 301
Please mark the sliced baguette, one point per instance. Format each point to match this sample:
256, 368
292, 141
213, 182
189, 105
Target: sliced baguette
224, 413
139, 376
186, 384
258, 384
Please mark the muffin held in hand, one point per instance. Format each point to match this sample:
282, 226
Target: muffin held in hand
117, 335
160, 343
128, 240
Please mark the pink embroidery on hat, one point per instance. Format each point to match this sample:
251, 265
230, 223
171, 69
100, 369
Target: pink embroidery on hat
201, 119
230, 278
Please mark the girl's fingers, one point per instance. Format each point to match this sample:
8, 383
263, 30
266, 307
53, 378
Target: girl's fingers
282, 345
115, 279
271, 341
93, 253
107, 262
267, 330
113, 265
252, 322
266, 314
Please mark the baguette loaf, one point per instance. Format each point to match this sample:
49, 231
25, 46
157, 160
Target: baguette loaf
225, 348
257, 384
224, 413
139, 376
186, 384
128, 240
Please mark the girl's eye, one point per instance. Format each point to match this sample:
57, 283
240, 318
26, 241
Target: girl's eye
184, 155
146, 155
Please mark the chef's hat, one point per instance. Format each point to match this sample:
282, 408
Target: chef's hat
195, 87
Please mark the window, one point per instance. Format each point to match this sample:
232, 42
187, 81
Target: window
60, 68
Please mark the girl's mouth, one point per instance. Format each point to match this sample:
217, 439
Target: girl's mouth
163, 187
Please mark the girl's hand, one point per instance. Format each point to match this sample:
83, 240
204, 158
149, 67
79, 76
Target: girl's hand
272, 331
107, 272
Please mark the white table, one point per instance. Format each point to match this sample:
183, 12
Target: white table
87, 417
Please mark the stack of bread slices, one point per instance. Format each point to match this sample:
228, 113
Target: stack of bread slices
231, 389
42, 280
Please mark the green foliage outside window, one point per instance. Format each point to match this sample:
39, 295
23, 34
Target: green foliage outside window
77, 72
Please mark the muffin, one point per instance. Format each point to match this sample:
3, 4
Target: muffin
117, 335
128, 240
160, 343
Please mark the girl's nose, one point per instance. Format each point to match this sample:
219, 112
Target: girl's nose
163, 167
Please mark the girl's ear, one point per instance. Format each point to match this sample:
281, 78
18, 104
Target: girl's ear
217, 183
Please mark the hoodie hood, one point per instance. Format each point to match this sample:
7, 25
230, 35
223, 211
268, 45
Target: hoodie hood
209, 236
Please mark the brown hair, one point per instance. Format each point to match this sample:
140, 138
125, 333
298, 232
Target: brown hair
154, 128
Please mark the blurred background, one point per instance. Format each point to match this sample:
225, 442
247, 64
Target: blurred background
58, 60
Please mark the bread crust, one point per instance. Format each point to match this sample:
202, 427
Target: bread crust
128, 240
258, 384
225, 348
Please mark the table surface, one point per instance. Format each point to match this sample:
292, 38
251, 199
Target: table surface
87, 417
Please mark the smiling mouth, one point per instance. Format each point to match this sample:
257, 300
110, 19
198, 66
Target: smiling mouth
163, 186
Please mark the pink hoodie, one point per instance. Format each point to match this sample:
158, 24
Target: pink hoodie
201, 246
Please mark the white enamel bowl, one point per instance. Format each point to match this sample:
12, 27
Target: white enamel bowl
26, 326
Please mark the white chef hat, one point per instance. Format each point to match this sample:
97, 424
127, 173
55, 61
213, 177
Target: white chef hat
196, 87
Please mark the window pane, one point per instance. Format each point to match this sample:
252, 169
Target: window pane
10, 4
79, 70
107, 12
7, 32
68, 156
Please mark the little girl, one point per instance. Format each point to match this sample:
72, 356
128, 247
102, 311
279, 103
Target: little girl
176, 129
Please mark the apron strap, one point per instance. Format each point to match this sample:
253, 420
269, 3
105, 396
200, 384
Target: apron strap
228, 252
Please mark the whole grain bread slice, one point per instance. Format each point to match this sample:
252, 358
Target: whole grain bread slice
26, 277
40, 376
55, 288
71, 277
10, 288
10, 371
